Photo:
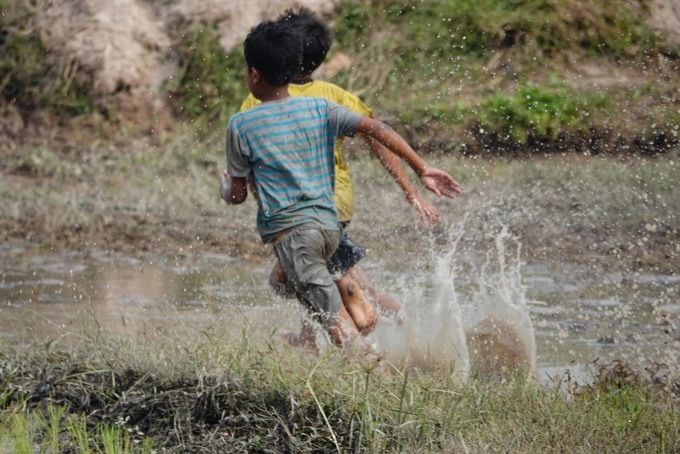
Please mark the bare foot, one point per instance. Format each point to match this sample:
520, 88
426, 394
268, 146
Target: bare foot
299, 340
396, 316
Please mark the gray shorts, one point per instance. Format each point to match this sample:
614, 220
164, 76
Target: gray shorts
302, 255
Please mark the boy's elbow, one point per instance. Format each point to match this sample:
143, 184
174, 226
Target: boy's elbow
375, 129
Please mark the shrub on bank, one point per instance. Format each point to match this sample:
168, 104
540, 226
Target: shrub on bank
209, 85
458, 68
30, 77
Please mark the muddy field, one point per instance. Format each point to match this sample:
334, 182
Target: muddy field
611, 212
217, 391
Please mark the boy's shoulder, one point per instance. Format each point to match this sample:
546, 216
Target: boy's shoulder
319, 89
332, 92
273, 109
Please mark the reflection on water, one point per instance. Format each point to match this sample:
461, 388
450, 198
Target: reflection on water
65, 295
575, 317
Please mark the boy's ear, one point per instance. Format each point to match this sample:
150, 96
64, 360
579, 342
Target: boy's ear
255, 75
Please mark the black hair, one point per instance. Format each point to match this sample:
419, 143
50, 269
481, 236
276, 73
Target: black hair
315, 33
275, 50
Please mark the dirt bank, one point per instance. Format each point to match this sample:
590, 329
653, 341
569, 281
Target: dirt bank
108, 64
119, 54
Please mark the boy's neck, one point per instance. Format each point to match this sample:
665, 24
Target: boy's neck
303, 79
272, 94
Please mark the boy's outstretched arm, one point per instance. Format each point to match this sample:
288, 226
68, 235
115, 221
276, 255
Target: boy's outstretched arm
437, 181
233, 190
392, 163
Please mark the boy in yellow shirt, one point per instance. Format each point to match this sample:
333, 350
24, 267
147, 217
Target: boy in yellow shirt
352, 282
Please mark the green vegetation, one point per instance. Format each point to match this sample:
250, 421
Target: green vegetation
536, 111
29, 76
219, 392
49, 429
451, 66
445, 70
209, 86
432, 32
442, 68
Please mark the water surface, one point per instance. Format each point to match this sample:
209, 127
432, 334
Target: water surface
578, 318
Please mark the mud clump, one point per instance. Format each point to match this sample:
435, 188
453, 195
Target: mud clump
496, 348
115, 48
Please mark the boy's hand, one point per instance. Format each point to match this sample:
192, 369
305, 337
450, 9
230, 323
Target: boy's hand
428, 213
225, 186
233, 190
440, 182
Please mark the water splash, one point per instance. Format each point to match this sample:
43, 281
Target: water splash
485, 329
499, 332
432, 335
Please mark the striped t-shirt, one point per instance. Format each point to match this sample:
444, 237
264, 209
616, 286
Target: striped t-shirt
288, 146
344, 196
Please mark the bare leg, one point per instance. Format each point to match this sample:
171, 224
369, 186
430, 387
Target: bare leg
345, 335
362, 311
384, 301
306, 338
346, 331
302, 255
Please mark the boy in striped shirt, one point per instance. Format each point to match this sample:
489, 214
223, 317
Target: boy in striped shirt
285, 146
360, 296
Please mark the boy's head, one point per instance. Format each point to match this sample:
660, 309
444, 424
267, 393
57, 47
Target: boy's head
274, 49
316, 37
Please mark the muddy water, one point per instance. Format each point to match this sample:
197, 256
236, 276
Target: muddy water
574, 318
584, 318
74, 295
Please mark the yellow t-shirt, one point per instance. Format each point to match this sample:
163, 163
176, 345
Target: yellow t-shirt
344, 197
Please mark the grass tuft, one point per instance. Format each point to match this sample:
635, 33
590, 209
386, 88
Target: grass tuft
98, 397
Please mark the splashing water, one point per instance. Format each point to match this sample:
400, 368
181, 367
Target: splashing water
432, 333
486, 331
499, 333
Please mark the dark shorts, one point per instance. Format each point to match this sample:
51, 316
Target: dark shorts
346, 255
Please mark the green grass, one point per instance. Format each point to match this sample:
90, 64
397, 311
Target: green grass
537, 111
432, 30
221, 392
50, 430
